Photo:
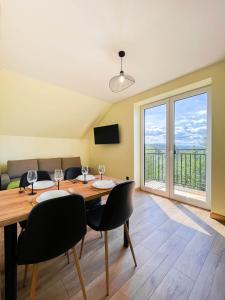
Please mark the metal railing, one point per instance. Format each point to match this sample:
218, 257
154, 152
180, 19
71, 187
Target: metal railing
189, 167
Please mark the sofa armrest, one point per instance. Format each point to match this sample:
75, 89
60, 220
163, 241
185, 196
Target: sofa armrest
5, 180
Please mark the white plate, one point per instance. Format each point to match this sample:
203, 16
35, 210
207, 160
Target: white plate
104, 184
88, 177
51, 194
41, 185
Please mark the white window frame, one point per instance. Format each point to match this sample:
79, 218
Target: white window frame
169, 101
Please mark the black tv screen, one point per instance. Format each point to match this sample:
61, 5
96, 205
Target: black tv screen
107, 134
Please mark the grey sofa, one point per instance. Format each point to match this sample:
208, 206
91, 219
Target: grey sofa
15, 168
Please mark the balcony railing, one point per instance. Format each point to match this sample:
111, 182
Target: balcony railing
189, 167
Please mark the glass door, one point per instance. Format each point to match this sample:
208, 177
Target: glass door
155, 142
189, 165
176, 148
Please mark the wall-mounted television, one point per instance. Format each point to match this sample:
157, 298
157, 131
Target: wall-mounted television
107, 134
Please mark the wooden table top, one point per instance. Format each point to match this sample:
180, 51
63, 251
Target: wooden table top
15, 206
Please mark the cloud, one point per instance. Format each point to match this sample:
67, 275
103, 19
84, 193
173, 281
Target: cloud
202, 112
154, 131
190, 124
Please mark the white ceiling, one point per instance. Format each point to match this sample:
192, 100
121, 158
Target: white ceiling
74, 43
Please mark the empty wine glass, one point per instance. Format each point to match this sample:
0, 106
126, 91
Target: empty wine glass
31, 178
101, 170
58, 175
84, 171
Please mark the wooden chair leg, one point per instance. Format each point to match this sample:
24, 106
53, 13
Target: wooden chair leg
106, 262
130, 244
68, 257
79, 273
34, 282
25, 275
81, 246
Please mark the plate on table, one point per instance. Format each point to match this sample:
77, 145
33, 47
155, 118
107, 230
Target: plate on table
41, 185
104, 184
51, 194
89, 177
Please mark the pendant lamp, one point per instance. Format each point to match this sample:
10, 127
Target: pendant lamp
122, 81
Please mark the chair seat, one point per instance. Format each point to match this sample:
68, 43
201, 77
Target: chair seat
94, 217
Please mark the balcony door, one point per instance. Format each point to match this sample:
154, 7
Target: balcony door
156, 148
175, 148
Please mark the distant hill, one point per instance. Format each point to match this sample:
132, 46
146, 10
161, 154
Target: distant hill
162, 146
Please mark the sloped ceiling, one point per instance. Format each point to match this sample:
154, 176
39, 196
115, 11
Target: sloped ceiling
35, 108
74, 43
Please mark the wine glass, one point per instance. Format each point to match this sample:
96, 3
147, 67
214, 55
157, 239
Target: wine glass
58, 175
31, 178
84, 171
101, 170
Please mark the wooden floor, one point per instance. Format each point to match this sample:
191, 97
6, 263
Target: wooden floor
180, 253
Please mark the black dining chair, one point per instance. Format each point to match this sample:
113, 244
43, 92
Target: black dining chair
53, 227
73, 173
41, 175
113, 214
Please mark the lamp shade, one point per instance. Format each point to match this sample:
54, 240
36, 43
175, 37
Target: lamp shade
120, 82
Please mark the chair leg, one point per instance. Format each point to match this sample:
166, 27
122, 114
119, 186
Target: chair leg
68, 257
25, 275
79, 273
81, 246
106, 262
130, 244
101, 234
34, 282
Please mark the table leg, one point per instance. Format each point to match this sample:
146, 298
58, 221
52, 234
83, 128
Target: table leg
125, 240
10, 243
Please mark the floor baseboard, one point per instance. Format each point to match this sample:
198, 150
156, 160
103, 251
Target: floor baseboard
217, 217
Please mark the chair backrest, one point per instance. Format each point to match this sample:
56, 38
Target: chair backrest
53, 227
42, 175
72, 173
119, 206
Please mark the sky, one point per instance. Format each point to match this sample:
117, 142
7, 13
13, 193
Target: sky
190, 128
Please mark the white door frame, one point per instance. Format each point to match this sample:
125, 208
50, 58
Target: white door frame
143, 187
207, 203
170, 148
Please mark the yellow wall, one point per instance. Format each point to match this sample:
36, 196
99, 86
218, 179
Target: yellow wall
38, 119
31, 107
119, 159
20, 147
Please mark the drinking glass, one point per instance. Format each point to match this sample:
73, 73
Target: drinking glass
101, 170
31, 178
84, 171
58, 175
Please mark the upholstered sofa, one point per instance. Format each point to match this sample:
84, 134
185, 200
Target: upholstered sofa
15, 168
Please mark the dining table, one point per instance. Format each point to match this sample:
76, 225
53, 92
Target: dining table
16, 205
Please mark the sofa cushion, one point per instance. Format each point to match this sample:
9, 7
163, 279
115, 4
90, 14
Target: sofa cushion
16, 168
13, 185
49, 164
69, 162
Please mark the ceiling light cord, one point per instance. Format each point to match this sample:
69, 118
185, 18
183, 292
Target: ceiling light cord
121, 65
